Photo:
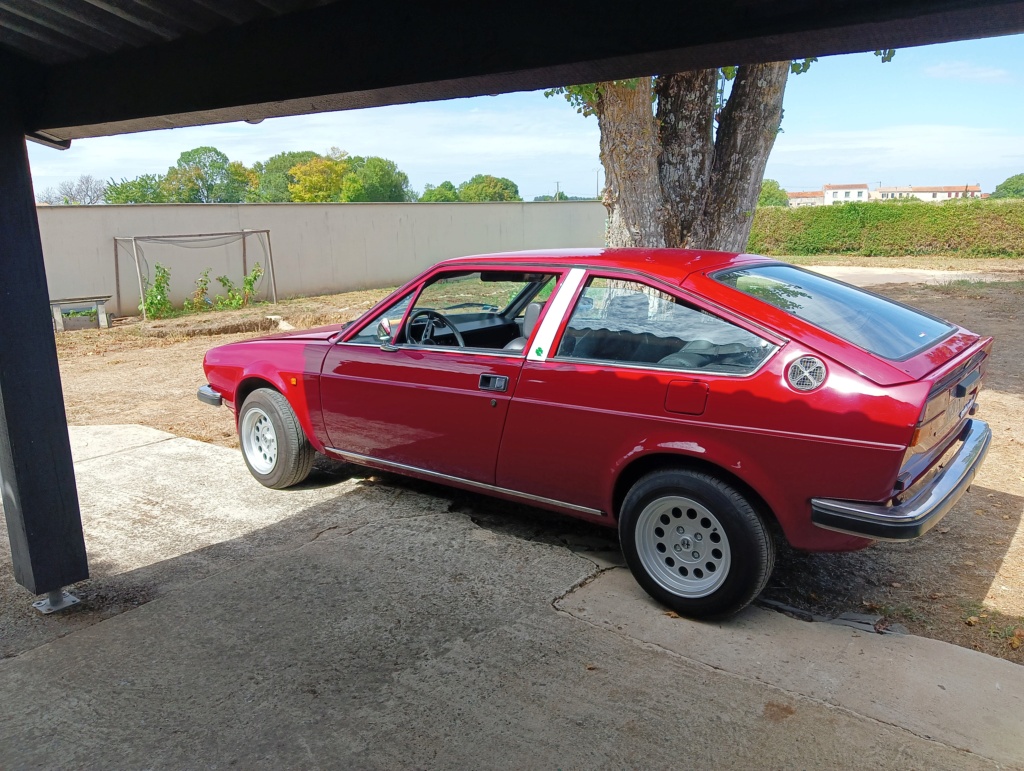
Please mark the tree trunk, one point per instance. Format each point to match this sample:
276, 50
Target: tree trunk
629, 153
686, 105
747, 129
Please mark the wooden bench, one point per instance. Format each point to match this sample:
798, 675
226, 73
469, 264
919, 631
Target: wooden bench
99, 304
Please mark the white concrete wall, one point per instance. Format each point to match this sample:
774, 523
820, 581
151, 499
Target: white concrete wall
318, 248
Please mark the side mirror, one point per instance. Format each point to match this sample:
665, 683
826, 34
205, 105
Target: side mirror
384, 331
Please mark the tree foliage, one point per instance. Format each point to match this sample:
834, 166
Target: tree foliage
321, 179
339, 178
205, 175
772, 194
274, 175
484, 187
443, 193
84, 191
147, 188
380, 180
1013, 187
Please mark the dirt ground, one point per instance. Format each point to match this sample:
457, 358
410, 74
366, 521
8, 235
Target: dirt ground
962, 583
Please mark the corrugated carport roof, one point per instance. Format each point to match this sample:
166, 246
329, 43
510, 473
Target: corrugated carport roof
97, 67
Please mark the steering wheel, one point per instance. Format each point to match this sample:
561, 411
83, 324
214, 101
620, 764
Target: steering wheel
434, 321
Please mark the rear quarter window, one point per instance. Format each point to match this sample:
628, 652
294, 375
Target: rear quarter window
632, 323
881, 326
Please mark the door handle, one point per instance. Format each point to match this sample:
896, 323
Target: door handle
493, 383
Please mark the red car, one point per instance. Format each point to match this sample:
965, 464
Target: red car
702, 402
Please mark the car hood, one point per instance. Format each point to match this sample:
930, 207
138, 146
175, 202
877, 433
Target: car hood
317, 333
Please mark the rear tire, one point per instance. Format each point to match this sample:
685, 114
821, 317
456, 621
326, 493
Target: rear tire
274, 446
694, 543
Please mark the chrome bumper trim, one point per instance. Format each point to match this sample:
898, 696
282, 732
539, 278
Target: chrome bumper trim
401, 468
208, 396
918, 515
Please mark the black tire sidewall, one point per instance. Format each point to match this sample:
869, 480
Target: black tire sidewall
749, 542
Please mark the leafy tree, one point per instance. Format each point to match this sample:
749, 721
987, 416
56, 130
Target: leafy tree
274, 175
484, 187
205, 175
683, 163
148, 188
321, 179
239, 181
443, 193
379, 180
560, 196
772, 194
83, 191
1012, 187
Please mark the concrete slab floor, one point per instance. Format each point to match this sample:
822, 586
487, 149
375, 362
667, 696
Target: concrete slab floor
400, 625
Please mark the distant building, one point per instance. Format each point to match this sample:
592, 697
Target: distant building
833, 194
809, 198
844, 193
932, 194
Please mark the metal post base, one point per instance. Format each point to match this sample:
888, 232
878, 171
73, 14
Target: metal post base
55, 601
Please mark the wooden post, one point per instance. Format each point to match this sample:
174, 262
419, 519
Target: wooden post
39, 494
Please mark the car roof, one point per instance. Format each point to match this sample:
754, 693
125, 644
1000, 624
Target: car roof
671, 264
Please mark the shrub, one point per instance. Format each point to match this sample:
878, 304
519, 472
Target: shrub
156, 302
235, 297
971, 228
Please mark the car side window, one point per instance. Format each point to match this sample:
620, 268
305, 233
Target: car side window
630, 322
393, 315
477, 309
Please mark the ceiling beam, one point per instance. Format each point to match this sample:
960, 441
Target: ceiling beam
351, 55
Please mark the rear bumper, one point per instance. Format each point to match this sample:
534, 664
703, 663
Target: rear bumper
919, 514
208, 396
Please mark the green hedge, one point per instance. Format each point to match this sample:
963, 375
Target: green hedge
983, 228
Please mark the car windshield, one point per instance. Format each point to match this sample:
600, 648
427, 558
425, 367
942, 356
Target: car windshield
878, 325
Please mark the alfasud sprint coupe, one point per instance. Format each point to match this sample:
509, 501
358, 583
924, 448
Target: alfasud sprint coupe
704, 403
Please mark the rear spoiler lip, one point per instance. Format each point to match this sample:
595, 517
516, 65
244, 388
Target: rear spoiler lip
960, 366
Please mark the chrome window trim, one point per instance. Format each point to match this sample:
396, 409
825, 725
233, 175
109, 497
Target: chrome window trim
443, 349
370, 460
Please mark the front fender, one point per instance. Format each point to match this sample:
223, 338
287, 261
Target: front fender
293, 370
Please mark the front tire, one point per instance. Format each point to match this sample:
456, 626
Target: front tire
274, 446
694, 543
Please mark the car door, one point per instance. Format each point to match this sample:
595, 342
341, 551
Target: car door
439, 408
634, 366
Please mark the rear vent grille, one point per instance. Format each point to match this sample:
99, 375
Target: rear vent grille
806, 373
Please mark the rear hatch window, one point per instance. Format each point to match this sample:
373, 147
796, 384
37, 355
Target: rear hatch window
884, 327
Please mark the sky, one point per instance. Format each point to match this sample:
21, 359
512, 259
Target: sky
947, 114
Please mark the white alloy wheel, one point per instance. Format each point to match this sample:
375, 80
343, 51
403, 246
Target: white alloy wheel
683, 546
259, 440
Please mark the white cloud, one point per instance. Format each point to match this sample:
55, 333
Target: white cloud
907, 154
532, 140
965, 71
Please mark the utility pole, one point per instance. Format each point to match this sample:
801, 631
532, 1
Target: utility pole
556, 190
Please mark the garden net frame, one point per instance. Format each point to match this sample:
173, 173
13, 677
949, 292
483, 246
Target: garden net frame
134, 246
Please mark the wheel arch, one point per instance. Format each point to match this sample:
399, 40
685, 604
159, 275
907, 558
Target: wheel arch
247, 385
252, 382
645, 464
